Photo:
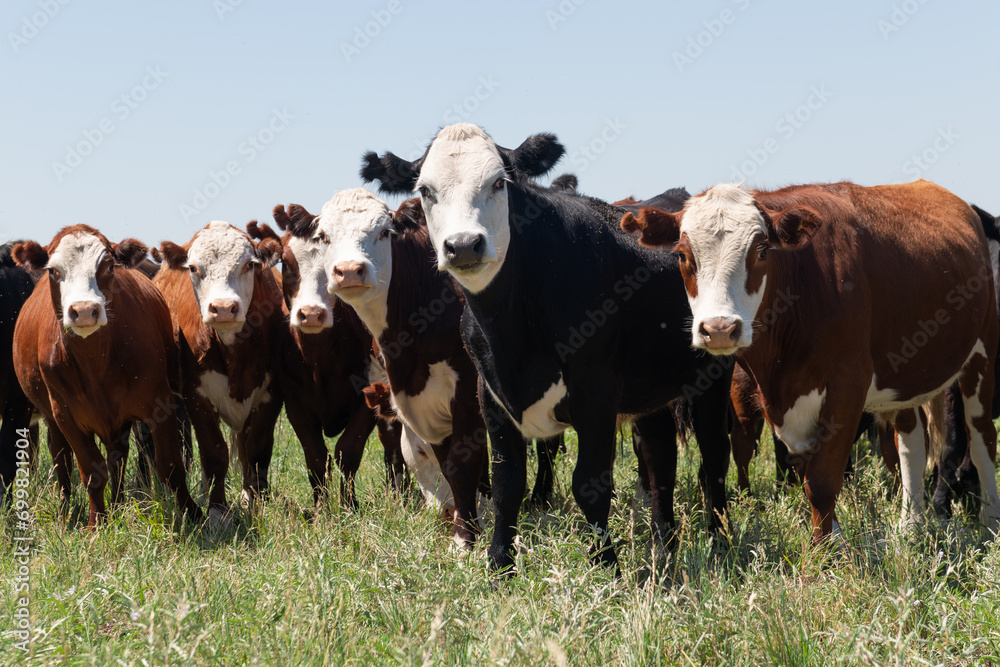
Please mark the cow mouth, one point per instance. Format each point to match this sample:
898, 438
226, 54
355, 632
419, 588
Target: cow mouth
312, 328
226, 327
83, 332
351, 291
468, 269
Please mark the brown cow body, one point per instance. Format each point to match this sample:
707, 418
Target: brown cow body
839, 299
228, 375
99, 383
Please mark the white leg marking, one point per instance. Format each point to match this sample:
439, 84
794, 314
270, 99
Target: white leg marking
422, 460
974, 409
912, 461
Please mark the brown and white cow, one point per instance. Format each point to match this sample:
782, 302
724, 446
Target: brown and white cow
226, 307
839, 299
382, 264
325, 360
94, 351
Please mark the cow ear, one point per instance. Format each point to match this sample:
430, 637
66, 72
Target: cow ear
267, 252
409, 216
394, 174
30, 255
791, 227
655, 227
171, 254
535, 156
565, 183
129, 252
260, 231
296, 219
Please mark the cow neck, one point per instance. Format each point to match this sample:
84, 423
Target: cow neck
415, 282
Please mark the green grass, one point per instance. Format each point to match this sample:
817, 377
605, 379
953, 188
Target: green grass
383, 584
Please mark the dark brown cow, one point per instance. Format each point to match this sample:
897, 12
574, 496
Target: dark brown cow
382, 265
94, 351
839, 299
325, 359
226, 307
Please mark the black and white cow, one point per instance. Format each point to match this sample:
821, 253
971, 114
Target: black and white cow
565, 321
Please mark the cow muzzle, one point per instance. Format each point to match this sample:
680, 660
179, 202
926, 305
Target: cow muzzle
311, 319
223, 314
349, 274
84, 317
720, 335
464, 251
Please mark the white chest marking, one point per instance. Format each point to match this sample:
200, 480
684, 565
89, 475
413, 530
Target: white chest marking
215, 387
798, 428
429, 412
539, 420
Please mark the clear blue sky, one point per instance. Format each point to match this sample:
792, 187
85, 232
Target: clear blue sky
887, 79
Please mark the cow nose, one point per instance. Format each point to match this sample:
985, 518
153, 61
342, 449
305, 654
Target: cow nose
222, 311
464, 250
720, 332
349, 274
84, 314
311, 317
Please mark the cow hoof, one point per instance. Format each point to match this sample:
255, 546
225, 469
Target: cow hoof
220, 519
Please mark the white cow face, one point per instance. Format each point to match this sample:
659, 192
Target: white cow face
463, 191
81, 266
311, 306
723, 240
222, 261
463, 181
358, 230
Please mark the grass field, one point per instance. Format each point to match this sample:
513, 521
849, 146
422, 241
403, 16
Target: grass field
383, 585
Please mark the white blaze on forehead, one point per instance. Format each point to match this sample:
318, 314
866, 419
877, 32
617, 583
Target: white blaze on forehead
77, 258
721, 226
220, 251
460, 168
353, 222
310, 256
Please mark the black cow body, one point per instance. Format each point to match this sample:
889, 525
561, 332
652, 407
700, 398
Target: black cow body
16, 285
578, 300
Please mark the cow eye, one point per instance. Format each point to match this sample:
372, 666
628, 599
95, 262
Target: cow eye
385, 233
55, 274
762, 255
194, 270
499, 185
425, 193
681, 257
247, 267
321, 237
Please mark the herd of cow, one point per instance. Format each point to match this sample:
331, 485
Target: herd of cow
493, 310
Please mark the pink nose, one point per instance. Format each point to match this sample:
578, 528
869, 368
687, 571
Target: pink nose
84, 314
349, 274
311, 317
720, 332
223, 311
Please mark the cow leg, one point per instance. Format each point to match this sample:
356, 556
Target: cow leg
745, 436
547, 450
642, 482
257, 440
509, 481
170, 464
784, 466
464, 462
950, 453
976, 385
912, 461
710, 429
214, 454
349, 450
93, 467
62, 462
659, 451
184, 426
145, 454
397, 474
888, 447
117, 459
16, 417
309, 431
